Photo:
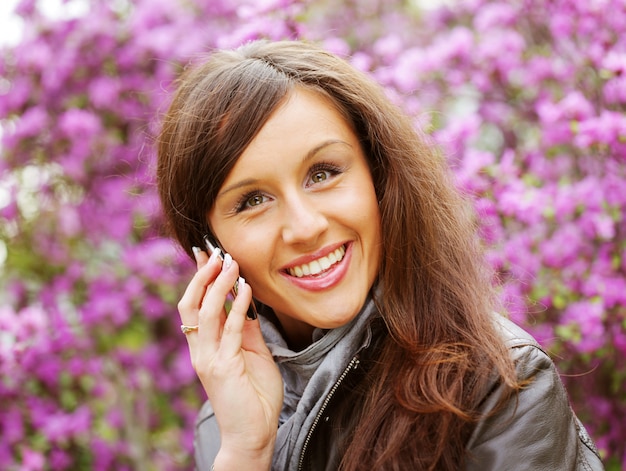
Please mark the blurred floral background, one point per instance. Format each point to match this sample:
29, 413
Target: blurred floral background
526, 97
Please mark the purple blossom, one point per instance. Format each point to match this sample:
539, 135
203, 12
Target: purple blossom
104, 455
563, 247
459, 133
32, 123
60, 426
611, 289
406, 75
588, 317
521, 202
6, 454
16, 96
615, 90
103, 307
389, 47
32, 460
615, 62
362, 61
559, 118
526, 99
495, 15
12, 426
337, 46
79, 123
59, 459
104, 92
606, 129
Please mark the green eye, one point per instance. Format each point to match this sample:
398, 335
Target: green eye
318, 177
254, 200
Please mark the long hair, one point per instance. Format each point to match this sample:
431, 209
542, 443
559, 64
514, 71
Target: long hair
436, 295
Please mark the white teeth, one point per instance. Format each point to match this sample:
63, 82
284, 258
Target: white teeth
318, 266
325, 263
315, 267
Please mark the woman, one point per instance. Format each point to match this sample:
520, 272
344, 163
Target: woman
376, 344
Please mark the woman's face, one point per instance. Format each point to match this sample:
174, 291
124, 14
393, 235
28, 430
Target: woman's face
299, 213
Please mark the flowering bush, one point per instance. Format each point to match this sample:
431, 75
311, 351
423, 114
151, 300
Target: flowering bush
526, 97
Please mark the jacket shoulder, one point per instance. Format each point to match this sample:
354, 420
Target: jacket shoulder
513, 335
536, 427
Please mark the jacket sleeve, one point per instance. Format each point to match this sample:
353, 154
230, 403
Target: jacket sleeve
536, 429
206, 438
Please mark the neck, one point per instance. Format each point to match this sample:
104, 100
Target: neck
299, 335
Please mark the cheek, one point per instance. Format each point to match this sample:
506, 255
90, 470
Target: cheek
371, 229
253, 253
366, 212
375, 250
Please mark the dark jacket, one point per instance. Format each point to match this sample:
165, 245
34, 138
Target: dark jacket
536, 430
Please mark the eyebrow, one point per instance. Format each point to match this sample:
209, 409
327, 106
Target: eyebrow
308, 156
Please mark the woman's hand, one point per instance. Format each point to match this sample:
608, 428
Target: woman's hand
233, 363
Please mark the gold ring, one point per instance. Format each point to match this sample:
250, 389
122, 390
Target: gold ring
185, 329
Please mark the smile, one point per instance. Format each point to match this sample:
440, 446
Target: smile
318, 266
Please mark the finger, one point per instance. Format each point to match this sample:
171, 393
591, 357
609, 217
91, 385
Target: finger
212, 315
232, 336
189, 305
253, 338
201, 256
191, 301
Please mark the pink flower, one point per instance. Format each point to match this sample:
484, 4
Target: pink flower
495, 15
524, 98
104, 92
615, 62
59, 459
563, 247
389, 47
614, 91
611, 289
588, 316
12, 426
32, 460
337, 46
607, 129
60, 426
32, 124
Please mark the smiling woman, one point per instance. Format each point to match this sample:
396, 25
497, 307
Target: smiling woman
320, 202
376, 344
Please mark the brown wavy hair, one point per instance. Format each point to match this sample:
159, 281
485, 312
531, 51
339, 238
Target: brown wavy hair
436, 296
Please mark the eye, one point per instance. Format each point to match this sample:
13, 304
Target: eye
254, 200
319, 176
250, 200
322, 172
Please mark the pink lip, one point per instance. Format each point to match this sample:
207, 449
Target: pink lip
324, 280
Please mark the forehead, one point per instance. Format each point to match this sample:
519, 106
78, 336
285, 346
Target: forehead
303, 119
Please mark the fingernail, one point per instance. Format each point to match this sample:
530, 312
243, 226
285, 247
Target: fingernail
251, 313
215, 254
228, 260
238, 283
196, 251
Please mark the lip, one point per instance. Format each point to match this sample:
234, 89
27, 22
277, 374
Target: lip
326, 279
315, 255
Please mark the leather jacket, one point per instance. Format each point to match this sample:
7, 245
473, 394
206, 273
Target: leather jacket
536, 430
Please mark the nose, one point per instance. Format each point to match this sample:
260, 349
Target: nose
303, 220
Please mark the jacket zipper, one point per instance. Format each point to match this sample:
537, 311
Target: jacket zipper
352, 365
